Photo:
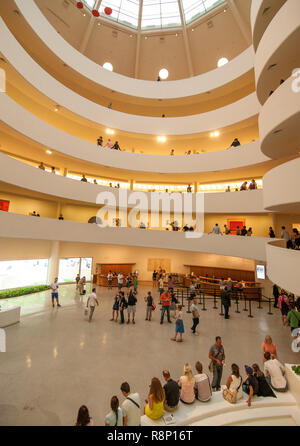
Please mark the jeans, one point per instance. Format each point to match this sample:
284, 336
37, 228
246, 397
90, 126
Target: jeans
148, 313
226, 308
122, 316
92, 309
195, 323
217, 376
163, 310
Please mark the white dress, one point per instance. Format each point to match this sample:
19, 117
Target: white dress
235, 383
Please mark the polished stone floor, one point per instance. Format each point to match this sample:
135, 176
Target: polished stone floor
57, 361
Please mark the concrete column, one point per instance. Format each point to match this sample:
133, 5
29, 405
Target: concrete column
65, 171
53, 263
195, 187
131, 184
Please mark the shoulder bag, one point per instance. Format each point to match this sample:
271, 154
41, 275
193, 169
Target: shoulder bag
231, 395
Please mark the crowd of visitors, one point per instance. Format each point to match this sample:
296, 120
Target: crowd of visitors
191, 387
238, 231
108, 144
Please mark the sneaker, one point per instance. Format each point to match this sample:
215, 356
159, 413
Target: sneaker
111, 319
170, 322
133, 322
58, 305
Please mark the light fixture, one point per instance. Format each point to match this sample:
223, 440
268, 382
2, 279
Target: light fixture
108, 66
48, 152
110, 131
56, 108
214, 134
161, 139
222, 61
163, 74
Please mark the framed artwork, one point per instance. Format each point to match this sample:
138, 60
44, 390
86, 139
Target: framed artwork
233, 223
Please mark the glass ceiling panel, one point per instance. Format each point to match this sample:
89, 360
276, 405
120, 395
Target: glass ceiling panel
155, 13
193, 9
160, 13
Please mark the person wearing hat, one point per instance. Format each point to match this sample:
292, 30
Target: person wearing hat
250, 385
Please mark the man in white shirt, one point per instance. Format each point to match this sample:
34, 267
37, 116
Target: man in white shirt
131, 407
285, 235
216, 230
91, 302
54, 293
274, 372
120, 280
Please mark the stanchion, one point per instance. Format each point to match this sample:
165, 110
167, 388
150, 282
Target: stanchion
203, 308
237, 305
270, 312
259, 303
182, 304
189, 305
215, 301
250, 315
221, 314
245, 308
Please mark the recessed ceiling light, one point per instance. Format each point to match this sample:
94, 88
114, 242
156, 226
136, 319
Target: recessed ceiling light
110, 131
163, 74
161, 139
214, 134
56, 108
48, 152
108, 66
223, 61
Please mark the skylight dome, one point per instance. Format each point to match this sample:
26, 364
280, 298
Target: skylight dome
154, 14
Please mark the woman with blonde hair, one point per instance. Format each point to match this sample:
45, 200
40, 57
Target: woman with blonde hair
268, 346
187, 384
154, 408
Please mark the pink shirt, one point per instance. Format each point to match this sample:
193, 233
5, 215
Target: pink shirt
187, 393
271, 348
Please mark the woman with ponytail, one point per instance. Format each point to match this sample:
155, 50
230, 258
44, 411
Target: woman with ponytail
115, 417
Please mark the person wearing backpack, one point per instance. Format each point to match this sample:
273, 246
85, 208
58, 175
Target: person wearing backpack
131, 309
123, 305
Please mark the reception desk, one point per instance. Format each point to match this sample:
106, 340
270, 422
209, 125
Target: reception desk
10, 316
250, 291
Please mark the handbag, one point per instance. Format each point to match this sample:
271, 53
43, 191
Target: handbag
211, 366
231, 395
153, 307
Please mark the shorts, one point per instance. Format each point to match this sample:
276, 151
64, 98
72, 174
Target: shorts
109, 282
120, 285
54, 296
131, 309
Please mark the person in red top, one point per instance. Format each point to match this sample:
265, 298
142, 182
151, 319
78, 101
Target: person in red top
166, 301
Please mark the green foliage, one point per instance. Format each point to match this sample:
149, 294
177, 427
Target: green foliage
22, 291
296, 369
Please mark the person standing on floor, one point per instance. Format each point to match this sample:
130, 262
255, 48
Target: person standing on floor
225, 300
123, 306
135, 284
120, 281
109, 280
160, 285
149, 300
179, 327
116, 307
217, 357
154, 278
195, 313
276, 295
91, 302
54, 293
77, 281
165, 308
131, 307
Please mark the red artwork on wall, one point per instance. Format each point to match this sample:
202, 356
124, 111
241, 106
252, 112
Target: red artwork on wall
4, 205
233, 224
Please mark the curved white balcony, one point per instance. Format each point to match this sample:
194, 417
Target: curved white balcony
22, 226
16, 173
262, 13
279, 122
278, 52
84, 66
285, 277
225, 116
281, 188
43, 133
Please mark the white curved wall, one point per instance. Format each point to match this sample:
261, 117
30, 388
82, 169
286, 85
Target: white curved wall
50, 87
29, 125
280, 112
22, 226
261, 20
22, 175
133, 87
279, 45
281, 187
287, 277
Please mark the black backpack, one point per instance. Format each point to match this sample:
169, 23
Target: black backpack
131, 299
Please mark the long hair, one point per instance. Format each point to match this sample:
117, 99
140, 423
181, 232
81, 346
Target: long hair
188, 372
156, 390
268, 340
83, 417
114, 404
256, 370
235, 370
